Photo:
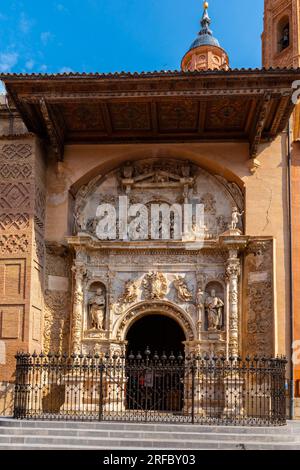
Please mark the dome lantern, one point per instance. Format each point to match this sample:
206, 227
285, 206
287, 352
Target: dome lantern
205, 53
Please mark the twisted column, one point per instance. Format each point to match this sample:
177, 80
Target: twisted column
79, 270
233, 271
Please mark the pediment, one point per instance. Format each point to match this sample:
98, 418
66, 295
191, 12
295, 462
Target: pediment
157, 179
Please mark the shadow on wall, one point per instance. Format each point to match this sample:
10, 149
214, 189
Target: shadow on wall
6, 398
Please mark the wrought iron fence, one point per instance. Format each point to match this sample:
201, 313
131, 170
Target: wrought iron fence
203, 390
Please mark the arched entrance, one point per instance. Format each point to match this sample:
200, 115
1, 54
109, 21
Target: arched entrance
161, 334
155, 381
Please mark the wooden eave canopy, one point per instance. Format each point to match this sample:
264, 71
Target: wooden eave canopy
237, 105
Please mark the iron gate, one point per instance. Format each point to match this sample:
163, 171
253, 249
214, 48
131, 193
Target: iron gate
204, 390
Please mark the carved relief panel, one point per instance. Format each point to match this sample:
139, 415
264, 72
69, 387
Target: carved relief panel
57, 303
258, 318
162, 182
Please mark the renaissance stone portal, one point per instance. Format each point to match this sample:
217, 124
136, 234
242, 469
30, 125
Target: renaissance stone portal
117, 281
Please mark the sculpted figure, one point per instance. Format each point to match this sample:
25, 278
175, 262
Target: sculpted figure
79, 222
182, 289
130, 292
235, 217
200, 299
97, 310
214, 307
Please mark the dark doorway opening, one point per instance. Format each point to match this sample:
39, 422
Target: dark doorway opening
160, 333
155, 381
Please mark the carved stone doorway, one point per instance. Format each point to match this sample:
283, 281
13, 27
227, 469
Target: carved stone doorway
161, 334
155, 381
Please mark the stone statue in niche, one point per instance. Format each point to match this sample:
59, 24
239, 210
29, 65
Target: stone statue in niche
235, 217
214, 307
97, 305
183, 292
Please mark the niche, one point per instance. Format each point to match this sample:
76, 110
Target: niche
96, 306
283, 33
214, 307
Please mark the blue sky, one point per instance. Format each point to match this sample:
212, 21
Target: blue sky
113, 35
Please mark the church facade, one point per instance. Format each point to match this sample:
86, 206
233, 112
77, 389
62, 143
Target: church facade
76, 276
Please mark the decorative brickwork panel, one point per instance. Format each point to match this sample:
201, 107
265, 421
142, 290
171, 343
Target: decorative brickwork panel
15, 196
14, 244
12, 321
16, 221
22, 214
16, 152
15, 170
13, 279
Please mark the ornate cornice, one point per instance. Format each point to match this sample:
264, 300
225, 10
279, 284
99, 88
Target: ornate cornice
155, 107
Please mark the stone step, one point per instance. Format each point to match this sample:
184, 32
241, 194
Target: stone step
136, 435
161, 446
58, 435
291, 428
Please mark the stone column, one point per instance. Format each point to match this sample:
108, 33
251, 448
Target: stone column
233, 270
79, 271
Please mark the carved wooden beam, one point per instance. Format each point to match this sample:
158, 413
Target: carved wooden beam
107, 119
55, 132
154, 117
202, 116
255, 136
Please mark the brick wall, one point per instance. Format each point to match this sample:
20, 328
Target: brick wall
22, 207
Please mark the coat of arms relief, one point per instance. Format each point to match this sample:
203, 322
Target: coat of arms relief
155, 285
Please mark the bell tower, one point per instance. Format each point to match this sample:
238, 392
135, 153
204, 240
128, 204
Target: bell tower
281, 36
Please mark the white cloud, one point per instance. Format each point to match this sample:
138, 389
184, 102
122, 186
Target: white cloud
66, 70
43, 68
46, 36
60, 7
7, 61
25, 23
29, 64
2, 88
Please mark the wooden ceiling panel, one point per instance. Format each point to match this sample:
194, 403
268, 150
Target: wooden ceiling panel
181, 115
130, 116
229, 113
83, 117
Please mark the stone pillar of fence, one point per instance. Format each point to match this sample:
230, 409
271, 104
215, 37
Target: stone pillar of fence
234, 396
